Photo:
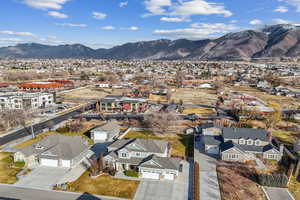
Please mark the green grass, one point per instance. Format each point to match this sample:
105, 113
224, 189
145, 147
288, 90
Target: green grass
182, 145
131, 173
8, 169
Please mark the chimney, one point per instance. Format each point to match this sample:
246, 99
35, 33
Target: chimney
281, 148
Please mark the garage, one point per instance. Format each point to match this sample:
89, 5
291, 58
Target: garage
169, 176
150, 175
49, 162
65, 163
212, 150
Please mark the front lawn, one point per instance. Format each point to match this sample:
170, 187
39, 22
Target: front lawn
131, 173
104, 185
8, 169
182, 145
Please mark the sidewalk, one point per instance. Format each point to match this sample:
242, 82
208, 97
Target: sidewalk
277, 193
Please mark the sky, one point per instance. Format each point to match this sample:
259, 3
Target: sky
106, 23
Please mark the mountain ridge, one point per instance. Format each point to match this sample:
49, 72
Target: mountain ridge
270, 41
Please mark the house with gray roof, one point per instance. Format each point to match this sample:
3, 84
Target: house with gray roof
106, 132
151, 158
241, 144
55, 151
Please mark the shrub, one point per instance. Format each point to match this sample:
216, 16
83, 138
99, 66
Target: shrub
19, 164
131, 173
273, 180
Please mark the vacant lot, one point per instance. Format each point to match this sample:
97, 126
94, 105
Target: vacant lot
92, 93
236, 184
195, 96
182, 145
199, 111
105, 185
285, 102
8, 169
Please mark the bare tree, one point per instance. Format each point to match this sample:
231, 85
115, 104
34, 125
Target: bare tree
162, 122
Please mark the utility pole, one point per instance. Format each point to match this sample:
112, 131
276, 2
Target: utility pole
32, 131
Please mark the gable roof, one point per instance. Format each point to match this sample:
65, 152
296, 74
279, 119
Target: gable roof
246, 133
111, 127
161, 163
212, 140
63, 147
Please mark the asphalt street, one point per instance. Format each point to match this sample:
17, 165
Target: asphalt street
8, 192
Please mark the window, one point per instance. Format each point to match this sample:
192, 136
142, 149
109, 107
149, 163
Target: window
138, 154
271, 156
233, 156
257, 142
249, 142
124, 155
241, 141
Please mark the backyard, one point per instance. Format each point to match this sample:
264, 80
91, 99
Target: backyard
104, 185
8, 169
235, 183
182, 145
197, 110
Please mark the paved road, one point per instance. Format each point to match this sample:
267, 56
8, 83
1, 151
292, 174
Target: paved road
165, 190
38, 128
278, 193
8, 192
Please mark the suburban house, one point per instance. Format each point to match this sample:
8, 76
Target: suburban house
123, 104
151, 158
106, 132
239, 144
55, 151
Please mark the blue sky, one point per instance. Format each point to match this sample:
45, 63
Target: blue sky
105, 23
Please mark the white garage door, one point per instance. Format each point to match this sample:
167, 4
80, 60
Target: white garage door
49, 162
169, 176
65, 163
100, 136
150, 175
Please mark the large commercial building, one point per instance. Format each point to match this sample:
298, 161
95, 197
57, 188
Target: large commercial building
22, 100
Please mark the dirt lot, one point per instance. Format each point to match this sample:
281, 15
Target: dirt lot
236, 184
195, 96
92, 93
286, 102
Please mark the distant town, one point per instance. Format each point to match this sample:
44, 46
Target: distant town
150, 129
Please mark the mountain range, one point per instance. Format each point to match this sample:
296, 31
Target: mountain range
274, 41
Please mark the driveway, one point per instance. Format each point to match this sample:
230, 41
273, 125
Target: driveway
165, 190
278, 193
209, 184
42, 177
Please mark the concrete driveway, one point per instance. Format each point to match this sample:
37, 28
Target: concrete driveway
165, 190
278, 193
42, 177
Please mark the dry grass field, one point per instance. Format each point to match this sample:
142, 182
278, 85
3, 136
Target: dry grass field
92, 93
199, 111
104, 185
195, 96
8, 171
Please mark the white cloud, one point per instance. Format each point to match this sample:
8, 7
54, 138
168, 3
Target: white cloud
198, 31
56, 14
108, 28
185, 8
72, 25
234, 21
45, 4
11, 40
281, 9
281, 21
123, 4
99, 15
173, 19
295, 3
133, 28
157, 7
255, 22
28, 34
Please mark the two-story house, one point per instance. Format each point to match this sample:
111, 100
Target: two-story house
239, 144
151, 158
